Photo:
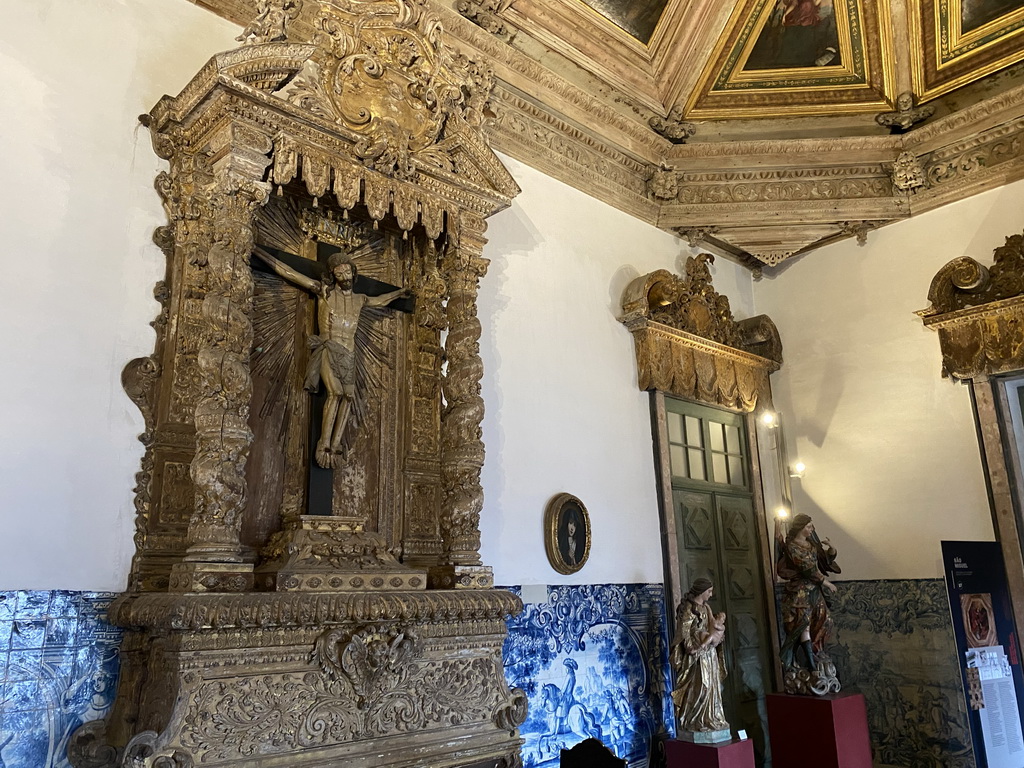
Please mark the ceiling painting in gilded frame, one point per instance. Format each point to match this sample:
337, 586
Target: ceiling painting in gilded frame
636, 17
959, 41
798, 57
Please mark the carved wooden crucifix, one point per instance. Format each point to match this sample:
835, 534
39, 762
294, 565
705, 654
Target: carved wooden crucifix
341, 296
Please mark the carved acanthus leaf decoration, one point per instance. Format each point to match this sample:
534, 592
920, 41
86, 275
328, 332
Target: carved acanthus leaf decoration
663, 184
375, 659
908, 174
382, 72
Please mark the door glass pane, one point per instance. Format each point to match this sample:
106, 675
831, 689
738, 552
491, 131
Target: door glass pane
696, 464
732, 439
718, 465
736, 470
678, 461
675, 428
693, 435
717, 438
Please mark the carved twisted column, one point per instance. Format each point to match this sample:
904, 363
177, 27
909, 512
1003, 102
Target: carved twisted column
216, 559
462, 447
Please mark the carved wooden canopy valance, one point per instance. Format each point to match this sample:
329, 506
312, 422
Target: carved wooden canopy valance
979, 313
689, 345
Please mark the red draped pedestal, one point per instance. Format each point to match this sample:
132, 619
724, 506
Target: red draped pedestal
726, 754
819, 731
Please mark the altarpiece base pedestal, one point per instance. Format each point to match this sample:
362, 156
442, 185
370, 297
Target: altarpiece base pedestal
388, 680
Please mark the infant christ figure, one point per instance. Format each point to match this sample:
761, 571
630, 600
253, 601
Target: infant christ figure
333, 352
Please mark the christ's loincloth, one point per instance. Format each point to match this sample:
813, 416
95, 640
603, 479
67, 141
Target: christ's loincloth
340, 359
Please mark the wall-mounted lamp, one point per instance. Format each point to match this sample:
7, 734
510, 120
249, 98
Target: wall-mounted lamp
770, 419
798, 469
782, 513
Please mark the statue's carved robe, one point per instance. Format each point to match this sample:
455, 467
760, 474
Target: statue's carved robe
698, 692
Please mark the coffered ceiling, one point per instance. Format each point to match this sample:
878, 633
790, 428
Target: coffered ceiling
762, 128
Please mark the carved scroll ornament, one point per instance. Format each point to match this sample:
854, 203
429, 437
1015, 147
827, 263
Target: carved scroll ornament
979, 313
688, 343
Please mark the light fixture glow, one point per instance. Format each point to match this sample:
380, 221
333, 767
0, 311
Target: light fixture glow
768, 419
782, 513
797, 470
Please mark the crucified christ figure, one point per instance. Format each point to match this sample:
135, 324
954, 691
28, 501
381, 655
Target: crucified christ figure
333, 352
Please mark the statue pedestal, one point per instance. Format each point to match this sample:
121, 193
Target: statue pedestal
725, 754
819, 732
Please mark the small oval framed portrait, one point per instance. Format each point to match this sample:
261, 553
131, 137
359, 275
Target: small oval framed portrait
567, 533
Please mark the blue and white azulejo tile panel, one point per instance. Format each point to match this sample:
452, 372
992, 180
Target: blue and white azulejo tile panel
593, 661
60, 661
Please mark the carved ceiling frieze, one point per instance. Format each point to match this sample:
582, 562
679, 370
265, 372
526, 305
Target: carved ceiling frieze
575, 97
978, 312
688, 343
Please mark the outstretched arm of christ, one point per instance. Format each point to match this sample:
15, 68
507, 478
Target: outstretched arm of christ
386, 298
289, 274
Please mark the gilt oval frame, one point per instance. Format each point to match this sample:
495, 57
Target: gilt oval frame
561, 554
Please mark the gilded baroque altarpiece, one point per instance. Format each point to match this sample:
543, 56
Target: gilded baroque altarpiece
279, 612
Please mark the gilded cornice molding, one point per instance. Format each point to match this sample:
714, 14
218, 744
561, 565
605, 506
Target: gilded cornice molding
688, 343
978, 312
176, 612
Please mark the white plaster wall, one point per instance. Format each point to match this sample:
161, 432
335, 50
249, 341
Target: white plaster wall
563, 410
78, 270
893, 464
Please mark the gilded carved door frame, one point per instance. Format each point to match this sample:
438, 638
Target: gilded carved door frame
689, 346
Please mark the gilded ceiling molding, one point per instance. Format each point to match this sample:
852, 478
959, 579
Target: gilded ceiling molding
689, 345
757, 71
957, 42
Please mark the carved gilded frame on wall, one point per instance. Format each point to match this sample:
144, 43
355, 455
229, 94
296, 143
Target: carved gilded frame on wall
567, 533
978, 312
862, 81
945, 56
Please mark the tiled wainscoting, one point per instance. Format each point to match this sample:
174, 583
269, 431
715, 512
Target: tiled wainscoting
60, 663
593, 660
894, 643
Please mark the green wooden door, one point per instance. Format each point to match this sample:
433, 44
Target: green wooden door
717, 536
